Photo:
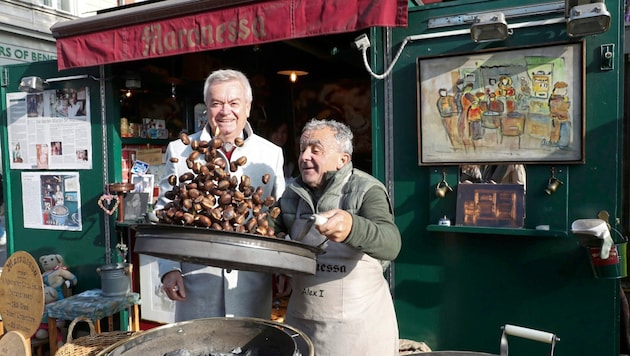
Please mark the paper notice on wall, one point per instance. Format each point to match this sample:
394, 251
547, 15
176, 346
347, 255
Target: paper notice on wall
50, 129
51, 200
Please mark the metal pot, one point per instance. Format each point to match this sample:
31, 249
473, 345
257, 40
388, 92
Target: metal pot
115, 279
216, 336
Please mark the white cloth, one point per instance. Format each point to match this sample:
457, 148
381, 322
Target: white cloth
212, 291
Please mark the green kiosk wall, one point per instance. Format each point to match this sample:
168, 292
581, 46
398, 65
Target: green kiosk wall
455, 287
83, 250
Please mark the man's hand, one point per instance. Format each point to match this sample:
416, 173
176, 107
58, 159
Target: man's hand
338, 226
173, 286
283, 285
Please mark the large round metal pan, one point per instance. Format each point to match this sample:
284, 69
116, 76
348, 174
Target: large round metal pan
215, 336
229, 250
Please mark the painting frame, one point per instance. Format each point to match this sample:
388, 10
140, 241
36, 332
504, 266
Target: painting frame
135, 206
508, 105
143, 183
156, 306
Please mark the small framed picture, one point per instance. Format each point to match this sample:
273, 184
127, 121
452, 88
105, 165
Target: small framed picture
143, 184
135, 205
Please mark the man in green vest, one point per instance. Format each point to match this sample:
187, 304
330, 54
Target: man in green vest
346, 307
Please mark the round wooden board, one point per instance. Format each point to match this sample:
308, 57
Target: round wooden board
13, 343
21, 294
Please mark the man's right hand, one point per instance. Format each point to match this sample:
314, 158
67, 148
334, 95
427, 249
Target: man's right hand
283, 286
173, 286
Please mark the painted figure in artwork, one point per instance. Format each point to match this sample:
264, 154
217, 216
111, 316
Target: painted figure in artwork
559, 105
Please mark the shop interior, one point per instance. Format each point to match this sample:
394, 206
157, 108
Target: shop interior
331, 82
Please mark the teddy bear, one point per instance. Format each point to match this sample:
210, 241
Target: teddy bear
50, 295
56, 274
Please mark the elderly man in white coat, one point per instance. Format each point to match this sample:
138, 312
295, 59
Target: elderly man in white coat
203, 291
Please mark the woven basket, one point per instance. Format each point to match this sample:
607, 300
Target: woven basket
91, 344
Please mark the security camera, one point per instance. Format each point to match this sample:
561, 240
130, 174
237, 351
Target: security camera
361, 43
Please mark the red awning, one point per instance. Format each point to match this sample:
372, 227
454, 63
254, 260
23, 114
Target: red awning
123, 35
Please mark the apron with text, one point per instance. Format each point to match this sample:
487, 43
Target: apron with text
345, 308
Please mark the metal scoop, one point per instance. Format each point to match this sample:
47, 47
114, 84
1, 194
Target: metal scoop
314, 219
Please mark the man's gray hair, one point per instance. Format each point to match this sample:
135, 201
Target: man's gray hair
226, 75
343, 134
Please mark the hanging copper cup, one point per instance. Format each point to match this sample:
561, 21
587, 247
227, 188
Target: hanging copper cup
442, 189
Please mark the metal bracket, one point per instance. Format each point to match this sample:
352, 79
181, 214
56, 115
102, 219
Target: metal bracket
5, 78
607, 56
512, 12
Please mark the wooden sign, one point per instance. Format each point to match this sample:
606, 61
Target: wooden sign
21, 294
13, 343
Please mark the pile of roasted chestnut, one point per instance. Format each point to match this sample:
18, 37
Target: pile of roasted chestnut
209, 196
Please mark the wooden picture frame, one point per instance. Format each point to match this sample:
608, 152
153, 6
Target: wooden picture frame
521, 105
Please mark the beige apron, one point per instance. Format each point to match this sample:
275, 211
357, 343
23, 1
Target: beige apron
345, 308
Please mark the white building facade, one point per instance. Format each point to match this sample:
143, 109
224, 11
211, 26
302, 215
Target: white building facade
25, 26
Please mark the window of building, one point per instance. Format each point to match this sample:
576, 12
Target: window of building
60, 5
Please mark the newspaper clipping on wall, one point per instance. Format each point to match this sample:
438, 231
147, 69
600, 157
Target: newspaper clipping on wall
52, 200
50, 129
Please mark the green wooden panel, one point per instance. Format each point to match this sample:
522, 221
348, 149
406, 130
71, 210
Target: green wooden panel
84, 250
454, 290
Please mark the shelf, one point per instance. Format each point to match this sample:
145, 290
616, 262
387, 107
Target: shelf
126, 223
497, 231
141, 141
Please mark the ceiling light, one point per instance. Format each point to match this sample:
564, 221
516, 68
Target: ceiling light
293, 74
489, 27
588, 19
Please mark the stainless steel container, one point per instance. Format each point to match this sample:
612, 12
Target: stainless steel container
216, 336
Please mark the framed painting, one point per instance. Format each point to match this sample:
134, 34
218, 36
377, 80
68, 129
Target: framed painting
522, 105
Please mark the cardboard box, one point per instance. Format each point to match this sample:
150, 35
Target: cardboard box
493, 205
153, 156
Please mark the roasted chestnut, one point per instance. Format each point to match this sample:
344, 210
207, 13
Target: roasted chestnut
210, 196
188, 176
185, 139
241, 161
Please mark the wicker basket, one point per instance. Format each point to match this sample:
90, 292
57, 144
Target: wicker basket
91, 344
